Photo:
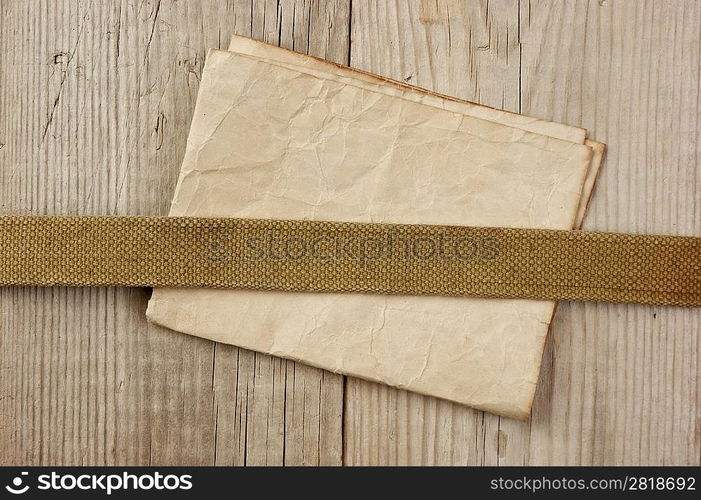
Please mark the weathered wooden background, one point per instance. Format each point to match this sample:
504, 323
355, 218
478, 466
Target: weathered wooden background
95, 103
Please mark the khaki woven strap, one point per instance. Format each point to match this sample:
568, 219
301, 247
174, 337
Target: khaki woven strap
350, 257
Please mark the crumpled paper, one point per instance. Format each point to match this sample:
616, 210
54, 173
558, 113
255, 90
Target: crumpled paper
326, 69
274, 140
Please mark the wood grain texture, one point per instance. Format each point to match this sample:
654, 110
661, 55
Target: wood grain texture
619, 383
95, 107
95, 104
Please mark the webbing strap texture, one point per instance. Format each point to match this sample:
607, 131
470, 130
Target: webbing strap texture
323, 256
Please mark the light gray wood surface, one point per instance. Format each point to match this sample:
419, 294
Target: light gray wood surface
95, 104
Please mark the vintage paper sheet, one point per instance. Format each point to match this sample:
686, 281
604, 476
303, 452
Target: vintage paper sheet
326, 69
260, 50
597, 159
271, 141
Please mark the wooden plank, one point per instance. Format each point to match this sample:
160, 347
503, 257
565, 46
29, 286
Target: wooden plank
94, 114
619, 383
469, 50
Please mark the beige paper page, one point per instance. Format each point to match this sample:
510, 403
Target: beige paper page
326, 69
268, 141
597, 159
260, 50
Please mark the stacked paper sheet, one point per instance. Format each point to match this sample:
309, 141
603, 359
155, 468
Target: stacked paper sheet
281, 135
